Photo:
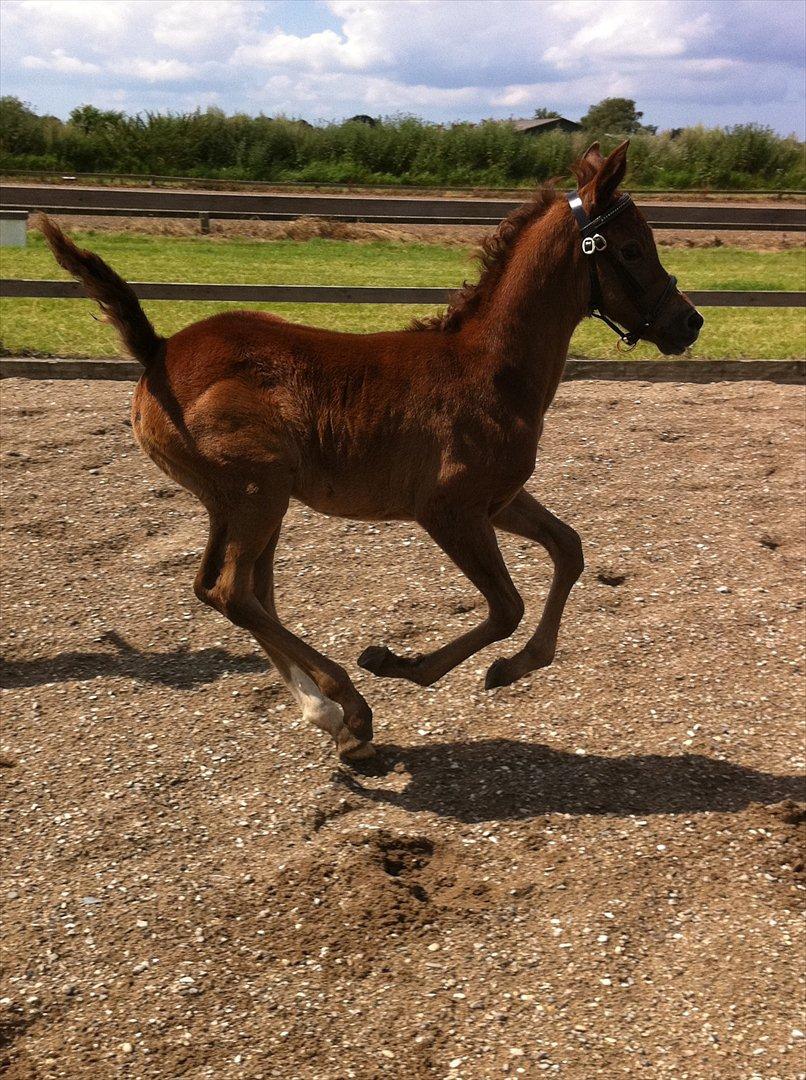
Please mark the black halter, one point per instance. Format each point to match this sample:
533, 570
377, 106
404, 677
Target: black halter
592, 244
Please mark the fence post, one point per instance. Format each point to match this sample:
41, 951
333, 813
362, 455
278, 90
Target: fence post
13, 228
204, 223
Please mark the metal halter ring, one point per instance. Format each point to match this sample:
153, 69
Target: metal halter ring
592, 244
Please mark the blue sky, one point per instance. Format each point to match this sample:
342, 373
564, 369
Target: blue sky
715, 62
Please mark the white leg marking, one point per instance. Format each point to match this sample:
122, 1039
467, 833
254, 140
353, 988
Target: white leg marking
316, 708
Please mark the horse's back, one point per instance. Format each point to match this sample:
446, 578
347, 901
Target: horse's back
235, 333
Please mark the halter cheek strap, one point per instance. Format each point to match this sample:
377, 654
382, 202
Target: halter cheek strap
594, 243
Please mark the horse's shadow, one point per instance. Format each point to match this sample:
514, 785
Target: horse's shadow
505, 780
178, 668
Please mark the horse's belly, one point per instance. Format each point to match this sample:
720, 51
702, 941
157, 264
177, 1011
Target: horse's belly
354, 497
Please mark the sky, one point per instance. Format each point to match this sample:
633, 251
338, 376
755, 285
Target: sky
715, 62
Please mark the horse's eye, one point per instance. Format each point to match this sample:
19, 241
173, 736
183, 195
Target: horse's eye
631, 250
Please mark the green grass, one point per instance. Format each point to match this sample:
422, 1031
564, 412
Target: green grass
61, 327
253, 262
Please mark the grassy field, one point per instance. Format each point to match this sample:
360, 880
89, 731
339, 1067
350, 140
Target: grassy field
59, 327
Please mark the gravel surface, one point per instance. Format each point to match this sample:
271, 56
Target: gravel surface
596, 872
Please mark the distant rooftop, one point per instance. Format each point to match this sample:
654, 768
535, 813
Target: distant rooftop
546, 123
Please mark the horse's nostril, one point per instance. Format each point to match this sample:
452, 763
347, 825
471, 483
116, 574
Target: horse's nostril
695, 321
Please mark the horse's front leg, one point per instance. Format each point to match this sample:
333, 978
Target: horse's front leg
468, 539
526, 517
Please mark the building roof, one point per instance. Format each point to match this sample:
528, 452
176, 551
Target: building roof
530, 125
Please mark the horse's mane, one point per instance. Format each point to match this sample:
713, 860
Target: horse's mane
494, 255
496, 250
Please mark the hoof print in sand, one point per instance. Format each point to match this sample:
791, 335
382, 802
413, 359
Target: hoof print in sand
403, 857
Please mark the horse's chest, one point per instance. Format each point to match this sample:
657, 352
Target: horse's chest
504, 454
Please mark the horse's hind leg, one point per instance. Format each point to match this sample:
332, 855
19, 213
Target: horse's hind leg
237, 558
317, 709
526, 517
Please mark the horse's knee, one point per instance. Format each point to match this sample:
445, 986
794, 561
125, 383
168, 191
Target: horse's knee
236, 607
572, 557
229, 604
565, 548
506, 616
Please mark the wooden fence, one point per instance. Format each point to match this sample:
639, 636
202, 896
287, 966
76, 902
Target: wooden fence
337, 294
206, 205
380, 209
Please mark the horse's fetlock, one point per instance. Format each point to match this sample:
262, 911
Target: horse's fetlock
359, 720
541, 655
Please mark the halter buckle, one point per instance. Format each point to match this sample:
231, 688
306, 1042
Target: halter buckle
592, 244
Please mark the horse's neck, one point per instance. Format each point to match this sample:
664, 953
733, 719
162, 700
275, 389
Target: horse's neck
537, 304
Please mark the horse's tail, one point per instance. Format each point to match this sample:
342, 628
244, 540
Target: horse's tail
117, 300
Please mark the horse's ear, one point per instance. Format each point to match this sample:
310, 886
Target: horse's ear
610, 175
586, 167
594, 155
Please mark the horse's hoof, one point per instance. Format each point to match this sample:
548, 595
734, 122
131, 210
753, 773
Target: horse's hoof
366, 761
374, 659
353, 749
499, 674
358, 752
388, 665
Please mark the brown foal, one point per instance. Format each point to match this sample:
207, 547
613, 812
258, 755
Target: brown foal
437, 424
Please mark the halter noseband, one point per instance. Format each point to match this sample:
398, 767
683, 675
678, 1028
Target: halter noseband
593, 243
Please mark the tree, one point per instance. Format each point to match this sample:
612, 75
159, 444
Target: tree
20, 128
614, 116
545, 114
89, 119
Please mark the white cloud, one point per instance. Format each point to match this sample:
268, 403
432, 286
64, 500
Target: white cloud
624, 30
154, 70
521, 97
316, 52
58, 61
55, 18
682, 60
317, 96
189, 25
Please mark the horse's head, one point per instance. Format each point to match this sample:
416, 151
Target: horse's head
629, 285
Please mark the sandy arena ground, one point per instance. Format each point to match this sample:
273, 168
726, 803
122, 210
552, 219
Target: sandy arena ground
596, 872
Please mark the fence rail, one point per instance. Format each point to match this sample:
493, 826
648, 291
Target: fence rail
380, 209
337, 294
60, 176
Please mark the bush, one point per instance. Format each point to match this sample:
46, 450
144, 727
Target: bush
395, 150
